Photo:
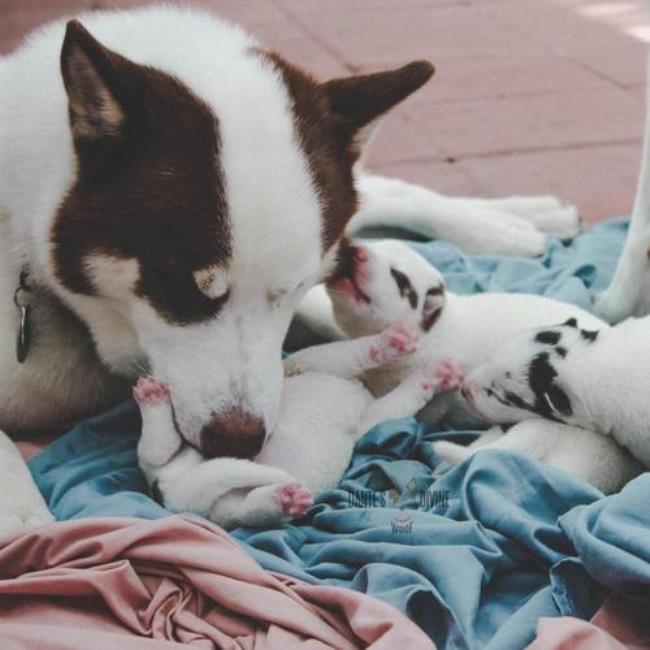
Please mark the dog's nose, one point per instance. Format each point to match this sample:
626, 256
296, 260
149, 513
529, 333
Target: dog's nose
234, 434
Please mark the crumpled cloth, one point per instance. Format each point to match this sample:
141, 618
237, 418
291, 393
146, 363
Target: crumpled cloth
126, 583
622, 623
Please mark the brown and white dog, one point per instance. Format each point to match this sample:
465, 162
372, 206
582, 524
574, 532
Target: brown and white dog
174, 190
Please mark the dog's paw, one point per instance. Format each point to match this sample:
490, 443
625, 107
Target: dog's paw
293, 499
395, 342
150, 392
547, 213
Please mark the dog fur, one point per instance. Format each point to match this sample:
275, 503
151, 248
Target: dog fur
592, 457
629, 291
594, 379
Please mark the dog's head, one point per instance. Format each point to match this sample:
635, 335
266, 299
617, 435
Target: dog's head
531, 374
209, 196
384, 282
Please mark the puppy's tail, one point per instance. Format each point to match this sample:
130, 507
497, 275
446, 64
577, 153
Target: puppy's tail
451, 452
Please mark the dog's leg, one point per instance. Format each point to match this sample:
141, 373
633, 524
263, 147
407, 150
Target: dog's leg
629, 291
546, 213
353, 357
412, 394
532, 437
269, 505
478, 229
159, 440
21, 504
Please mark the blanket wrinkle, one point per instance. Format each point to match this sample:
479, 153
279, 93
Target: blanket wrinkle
620, 624
505, 541
175, 580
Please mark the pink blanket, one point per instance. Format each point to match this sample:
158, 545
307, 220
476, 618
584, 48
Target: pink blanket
129, 583
620, 624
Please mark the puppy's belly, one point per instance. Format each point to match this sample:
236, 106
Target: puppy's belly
317, 429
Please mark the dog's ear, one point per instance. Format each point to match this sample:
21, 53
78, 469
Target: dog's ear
90, 79
357, 102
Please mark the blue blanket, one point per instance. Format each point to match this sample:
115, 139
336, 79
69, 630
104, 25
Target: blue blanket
474, 555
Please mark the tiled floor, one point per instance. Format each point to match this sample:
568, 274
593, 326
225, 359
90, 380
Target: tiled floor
530, 96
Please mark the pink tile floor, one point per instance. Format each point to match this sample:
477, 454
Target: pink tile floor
530, 96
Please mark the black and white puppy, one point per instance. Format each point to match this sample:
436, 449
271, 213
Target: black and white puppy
597, 379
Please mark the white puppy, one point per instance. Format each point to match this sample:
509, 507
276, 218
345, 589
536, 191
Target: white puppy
321, 417
594, 379
593, 457
387, 281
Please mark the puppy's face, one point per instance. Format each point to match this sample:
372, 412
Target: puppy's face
528, 375
382, 283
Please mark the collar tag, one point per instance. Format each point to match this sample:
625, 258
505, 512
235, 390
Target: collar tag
24, 338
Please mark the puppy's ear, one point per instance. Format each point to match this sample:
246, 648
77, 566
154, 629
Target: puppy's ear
434, 301
557, 400
91, 81
357, 102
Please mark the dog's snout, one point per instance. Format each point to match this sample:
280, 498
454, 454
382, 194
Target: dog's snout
234, 434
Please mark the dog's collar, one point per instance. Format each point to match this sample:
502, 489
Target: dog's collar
24, 336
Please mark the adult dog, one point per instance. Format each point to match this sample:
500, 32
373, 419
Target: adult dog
174, 190
169, 191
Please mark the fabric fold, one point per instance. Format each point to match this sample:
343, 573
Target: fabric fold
129, 583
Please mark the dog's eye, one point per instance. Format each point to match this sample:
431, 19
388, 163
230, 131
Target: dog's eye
275, 297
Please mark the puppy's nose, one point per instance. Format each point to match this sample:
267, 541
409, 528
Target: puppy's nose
359, 253
234, 434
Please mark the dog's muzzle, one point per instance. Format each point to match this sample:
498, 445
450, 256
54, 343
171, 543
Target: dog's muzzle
234, 434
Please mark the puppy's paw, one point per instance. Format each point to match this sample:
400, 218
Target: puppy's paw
448, 375
396, 342
439, 378
150, 392
293, 499
292, 366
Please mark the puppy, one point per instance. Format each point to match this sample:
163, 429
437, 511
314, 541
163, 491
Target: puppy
591, 456
321, 417
387, 281
596, 379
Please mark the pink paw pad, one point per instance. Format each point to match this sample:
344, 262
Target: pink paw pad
448, 375
149, 392
293, 499
396, 341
